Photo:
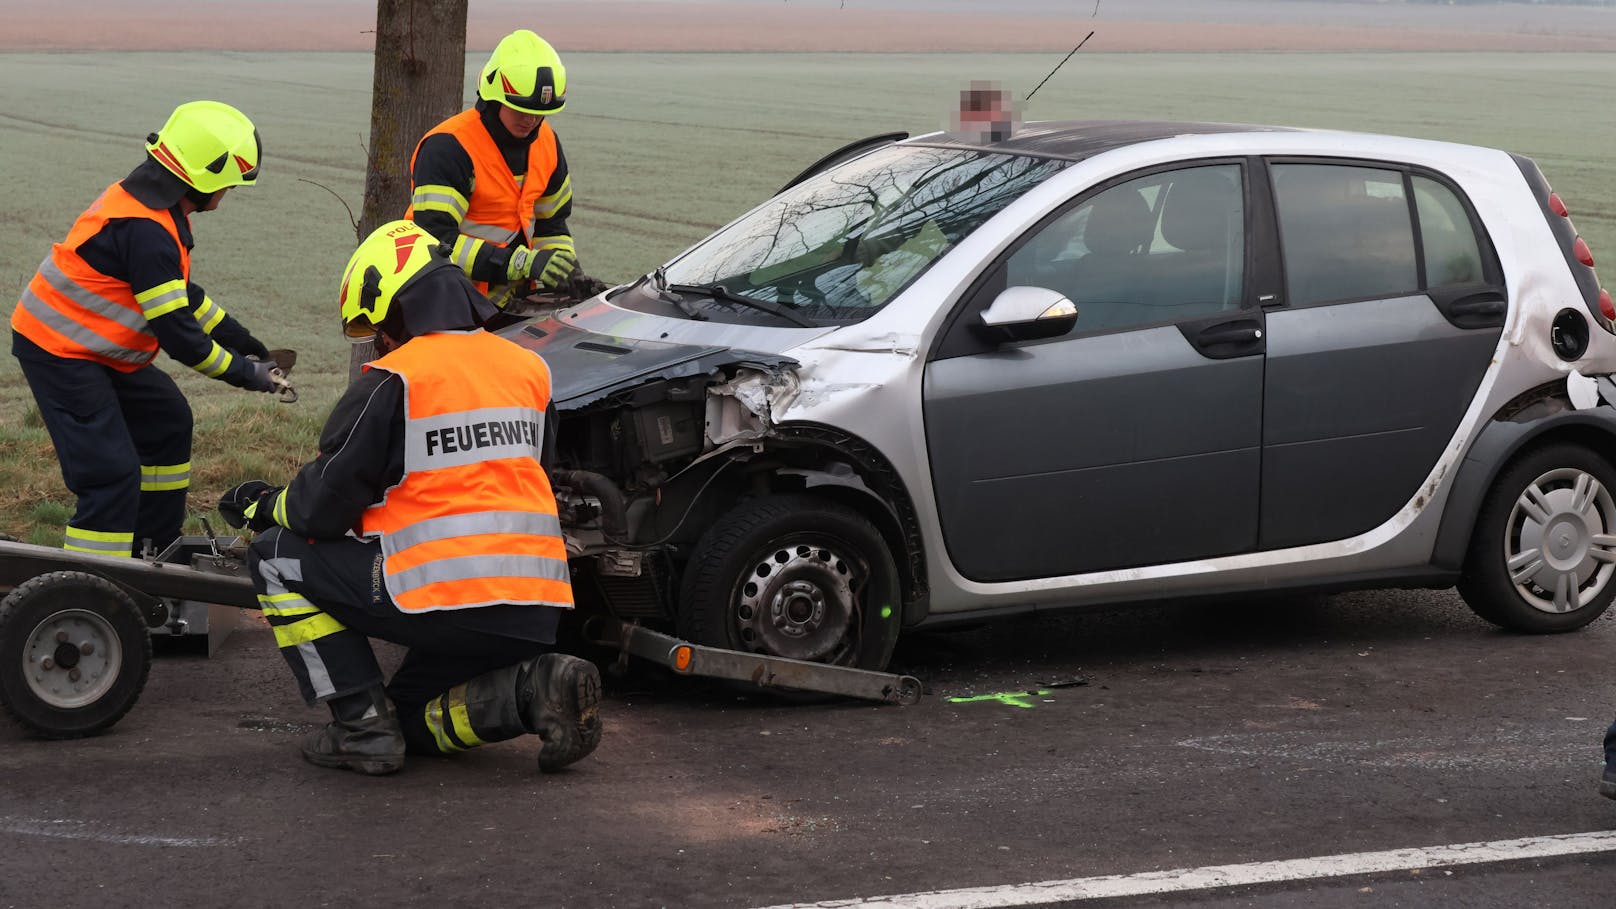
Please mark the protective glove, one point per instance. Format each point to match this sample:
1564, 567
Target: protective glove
548, 267
258, 376
248, 505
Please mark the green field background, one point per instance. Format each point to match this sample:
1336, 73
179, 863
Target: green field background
663, 148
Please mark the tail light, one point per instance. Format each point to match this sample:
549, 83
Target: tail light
1605, 305
1558, 206
1579, 248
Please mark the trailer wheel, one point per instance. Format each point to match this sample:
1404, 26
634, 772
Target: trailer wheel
793, 576
74, 654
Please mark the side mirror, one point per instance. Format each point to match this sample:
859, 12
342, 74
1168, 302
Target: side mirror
1028, 314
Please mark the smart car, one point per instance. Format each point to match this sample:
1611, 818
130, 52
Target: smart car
943, 378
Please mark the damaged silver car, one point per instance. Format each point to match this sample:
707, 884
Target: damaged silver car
935, 380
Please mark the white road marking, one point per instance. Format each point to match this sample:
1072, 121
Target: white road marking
1217, 876
78, 830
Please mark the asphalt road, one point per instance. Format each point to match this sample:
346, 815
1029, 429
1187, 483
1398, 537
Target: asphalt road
1167, 737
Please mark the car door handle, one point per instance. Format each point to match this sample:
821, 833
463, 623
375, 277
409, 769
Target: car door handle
1478, 306
1223, 338
1471, 306
1231, 334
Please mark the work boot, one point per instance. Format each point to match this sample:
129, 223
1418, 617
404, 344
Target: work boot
363, 735
559, 699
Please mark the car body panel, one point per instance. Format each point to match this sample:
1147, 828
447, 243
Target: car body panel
1359, 402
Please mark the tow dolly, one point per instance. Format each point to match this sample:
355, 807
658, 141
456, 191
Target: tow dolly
76, 630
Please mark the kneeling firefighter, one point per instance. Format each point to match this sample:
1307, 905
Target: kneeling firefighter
426, 520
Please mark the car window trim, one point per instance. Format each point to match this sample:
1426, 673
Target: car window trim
973, 300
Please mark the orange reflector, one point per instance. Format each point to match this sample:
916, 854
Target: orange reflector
1606, 306
1582, 252
1557, 206
681, 658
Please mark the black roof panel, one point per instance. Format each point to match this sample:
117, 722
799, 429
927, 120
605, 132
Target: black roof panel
1079, 139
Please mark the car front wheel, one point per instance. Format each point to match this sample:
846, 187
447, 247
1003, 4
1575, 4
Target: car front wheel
793, 576
1543, 554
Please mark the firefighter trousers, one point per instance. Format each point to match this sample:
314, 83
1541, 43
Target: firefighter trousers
325, 599
123, 441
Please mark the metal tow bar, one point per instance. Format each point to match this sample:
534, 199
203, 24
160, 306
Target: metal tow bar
764, 671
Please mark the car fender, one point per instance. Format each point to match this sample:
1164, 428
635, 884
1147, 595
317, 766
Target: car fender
1498, 443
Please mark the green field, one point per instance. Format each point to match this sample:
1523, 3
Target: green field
663, 148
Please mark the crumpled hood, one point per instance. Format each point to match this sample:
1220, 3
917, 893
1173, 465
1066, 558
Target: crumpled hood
586, 366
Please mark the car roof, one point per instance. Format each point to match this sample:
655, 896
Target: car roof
1076, 140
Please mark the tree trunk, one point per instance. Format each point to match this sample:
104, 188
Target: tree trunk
420, 71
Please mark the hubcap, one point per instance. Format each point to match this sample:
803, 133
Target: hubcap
799, 601
72, 659
1560, 549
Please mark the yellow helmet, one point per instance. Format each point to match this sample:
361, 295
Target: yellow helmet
389, 259
525, 73
208, 144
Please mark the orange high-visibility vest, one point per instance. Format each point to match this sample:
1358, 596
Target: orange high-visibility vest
473, 520
501, 206
71, 310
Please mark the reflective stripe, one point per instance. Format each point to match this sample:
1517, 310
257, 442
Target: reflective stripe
278, 514
559, 242
463, 525
278, 572
316, 626
81, 335
501, 295
465, 252
472, 436
477, 567
546, 207
440, 198
434, 723
461, 718
319, 676
101, 306
165, 477
209, 322
493, 232
286, 604
103, 542
218, 360
163, 299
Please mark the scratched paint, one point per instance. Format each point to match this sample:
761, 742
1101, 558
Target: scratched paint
1008, 698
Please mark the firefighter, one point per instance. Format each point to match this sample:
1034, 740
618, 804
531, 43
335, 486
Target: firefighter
426, 520
103, 303
492, 182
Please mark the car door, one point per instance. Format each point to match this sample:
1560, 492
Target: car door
1392, 306
1134, 439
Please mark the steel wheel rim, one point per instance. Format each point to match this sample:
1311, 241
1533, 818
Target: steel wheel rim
72, 659
799, 599
1559, 548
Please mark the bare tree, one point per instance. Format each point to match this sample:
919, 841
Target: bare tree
419, 71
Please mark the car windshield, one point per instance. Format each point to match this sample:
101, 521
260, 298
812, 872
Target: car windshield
840, 245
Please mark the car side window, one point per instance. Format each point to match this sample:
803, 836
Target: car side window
1345, 231
1452, 252
1156, 249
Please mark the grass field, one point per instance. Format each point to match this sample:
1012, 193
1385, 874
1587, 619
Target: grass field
663, 148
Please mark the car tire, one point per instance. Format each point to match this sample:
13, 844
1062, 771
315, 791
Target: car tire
1542, 556
793, 576
74, 654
